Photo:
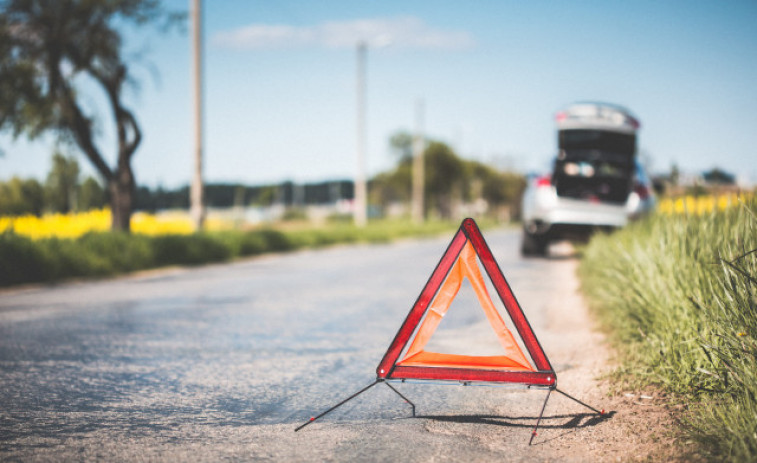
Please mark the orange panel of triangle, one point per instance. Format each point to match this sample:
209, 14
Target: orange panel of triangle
458, 263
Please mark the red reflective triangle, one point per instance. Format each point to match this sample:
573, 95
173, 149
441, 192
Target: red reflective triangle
511, 367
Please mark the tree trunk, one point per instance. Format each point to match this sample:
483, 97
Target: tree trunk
122, 185
121, 189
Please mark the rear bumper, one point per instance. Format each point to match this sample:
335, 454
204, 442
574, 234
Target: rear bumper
560, 218
554, 210
574, 232
596, 215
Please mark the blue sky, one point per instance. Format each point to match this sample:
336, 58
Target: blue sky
280, 80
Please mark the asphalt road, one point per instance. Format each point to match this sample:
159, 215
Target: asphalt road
222, 362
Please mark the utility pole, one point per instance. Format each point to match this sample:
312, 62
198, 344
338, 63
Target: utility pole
197, 208
419, 146
361, 191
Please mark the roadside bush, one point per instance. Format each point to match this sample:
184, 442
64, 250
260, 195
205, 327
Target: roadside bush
275, 241
241, 244
188, 249
339, 233
252, 243
21, 261
119, 252
66, 258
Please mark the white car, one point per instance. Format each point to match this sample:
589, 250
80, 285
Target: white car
596, 180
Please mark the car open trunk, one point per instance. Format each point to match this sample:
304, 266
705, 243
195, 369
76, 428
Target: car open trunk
595, 165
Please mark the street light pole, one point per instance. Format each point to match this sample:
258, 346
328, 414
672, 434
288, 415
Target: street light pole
361, 191
196, 194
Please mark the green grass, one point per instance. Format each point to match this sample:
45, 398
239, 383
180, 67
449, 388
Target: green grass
23, 260
679, 297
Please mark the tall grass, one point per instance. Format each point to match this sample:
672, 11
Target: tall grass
27, 260
680, 296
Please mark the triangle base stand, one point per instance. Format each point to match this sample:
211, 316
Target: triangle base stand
601, 413
378, 380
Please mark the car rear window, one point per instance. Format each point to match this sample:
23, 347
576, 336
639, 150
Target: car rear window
585, 139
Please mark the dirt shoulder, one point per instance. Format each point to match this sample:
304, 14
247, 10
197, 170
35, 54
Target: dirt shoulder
639, 428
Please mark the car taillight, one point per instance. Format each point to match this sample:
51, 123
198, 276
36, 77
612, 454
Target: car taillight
642, 191
543, 181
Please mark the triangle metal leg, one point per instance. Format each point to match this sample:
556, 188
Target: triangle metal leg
600, 412
533, 434
338, 405
543, 407
405, 398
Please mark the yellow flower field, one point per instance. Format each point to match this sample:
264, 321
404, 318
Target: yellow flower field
699, 205
75, 225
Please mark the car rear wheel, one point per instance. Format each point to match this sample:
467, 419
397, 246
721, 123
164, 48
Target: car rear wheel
533, 244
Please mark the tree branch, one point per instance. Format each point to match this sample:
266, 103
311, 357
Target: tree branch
80, 125
132, 146
125, 120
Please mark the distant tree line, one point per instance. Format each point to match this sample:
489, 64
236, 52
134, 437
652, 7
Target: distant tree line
449, 180
225, 195
61, 192
713, 181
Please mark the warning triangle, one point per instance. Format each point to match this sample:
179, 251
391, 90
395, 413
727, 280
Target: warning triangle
459, 263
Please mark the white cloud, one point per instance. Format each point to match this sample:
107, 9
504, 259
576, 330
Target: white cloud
403, 32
